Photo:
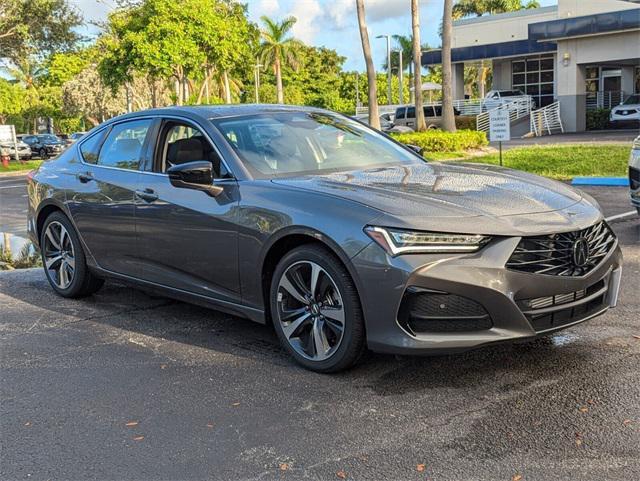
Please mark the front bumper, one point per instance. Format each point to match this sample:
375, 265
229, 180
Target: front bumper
482, 279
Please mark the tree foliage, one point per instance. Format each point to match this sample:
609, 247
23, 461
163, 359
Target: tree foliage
37, 27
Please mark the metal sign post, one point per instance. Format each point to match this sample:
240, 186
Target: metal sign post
499, 128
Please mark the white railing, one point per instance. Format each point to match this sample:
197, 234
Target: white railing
464, 106
546, 120
605, 100
518, 107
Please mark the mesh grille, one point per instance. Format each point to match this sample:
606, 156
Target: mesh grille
422, 311
555, 254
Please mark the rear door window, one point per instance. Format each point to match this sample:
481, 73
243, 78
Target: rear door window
123, 147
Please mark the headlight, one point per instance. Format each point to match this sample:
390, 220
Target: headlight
397, 241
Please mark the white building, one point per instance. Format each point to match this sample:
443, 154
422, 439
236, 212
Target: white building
583, 53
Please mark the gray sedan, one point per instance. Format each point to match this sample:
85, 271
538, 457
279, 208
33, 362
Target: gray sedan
338, 236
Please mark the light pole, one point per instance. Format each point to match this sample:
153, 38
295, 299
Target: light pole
256, 79
400, 75
388, 37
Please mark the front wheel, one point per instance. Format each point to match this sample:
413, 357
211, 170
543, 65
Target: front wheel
42, 153
316, 310
63, 259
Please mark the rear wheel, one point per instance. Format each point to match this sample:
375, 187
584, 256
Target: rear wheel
63, 259
42, 153
316, 310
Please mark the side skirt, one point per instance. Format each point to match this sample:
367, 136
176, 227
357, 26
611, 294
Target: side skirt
251, 313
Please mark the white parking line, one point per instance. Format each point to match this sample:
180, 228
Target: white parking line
621, 216
21, 186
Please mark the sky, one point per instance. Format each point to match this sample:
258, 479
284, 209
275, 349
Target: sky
331, 23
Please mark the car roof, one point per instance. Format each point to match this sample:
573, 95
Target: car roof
218, 111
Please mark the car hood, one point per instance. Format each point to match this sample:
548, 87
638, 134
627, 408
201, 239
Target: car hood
459, 198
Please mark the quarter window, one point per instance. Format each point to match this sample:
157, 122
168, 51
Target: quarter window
89, 148
123, 146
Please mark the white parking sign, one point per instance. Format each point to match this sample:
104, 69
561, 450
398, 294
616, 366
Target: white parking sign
499, 126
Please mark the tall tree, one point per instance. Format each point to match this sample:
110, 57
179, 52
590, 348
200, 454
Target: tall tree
37, 27
448, 119
278, 48
374, 115
417, 65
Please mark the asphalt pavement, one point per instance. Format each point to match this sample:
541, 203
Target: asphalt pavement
124, 385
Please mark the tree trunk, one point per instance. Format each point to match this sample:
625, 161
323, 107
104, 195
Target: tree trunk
417, 66
374, 116
482, 84
227, 87
279, 80
448, 119
178, 91
206, 85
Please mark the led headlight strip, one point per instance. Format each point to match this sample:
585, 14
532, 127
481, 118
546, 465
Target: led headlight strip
397, 241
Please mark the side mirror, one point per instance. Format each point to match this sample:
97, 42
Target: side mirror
197, 175
417, 149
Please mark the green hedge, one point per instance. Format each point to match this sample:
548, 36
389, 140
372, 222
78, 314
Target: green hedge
598, 119
440, 141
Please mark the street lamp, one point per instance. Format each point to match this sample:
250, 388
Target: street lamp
400, 74
388, 37
256, 79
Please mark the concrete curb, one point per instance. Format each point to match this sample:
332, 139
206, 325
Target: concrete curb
601, 181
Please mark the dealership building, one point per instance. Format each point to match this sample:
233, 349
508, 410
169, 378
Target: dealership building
583, 54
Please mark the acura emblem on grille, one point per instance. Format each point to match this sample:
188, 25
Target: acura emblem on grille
581, 252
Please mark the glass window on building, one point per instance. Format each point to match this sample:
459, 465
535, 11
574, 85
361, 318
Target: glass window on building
535, 77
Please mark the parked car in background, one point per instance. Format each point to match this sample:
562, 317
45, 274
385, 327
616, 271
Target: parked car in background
74, 137
406, 116
44, 145
634, 173
495, 98
24, 151
339, 236
629, 110
386, 123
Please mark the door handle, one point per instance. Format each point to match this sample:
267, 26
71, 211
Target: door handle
148, 195
84, 178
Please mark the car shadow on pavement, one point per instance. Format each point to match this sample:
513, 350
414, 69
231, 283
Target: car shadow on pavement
124, 308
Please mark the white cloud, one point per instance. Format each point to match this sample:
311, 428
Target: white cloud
309, 15
270, 8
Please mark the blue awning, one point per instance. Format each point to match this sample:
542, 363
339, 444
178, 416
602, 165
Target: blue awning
586, 25
494, 50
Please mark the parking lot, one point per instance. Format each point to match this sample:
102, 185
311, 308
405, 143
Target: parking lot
124, 385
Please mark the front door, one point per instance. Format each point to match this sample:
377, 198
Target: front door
103, 199
188, 239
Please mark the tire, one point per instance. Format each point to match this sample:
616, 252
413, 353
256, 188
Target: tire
333, 319
42, 153
75, 282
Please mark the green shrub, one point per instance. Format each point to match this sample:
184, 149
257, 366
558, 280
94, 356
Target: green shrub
466, 122
440, 141
598, 119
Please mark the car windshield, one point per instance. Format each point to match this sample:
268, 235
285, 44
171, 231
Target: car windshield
632, 99
290, 143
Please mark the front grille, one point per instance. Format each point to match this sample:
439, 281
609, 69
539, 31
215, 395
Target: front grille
551, 312
424, 311
556, 254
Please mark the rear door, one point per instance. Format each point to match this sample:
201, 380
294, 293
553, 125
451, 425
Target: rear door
103, 199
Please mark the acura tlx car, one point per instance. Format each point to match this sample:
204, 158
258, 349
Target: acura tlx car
336, 234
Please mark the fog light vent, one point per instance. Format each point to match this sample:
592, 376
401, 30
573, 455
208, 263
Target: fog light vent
424, 311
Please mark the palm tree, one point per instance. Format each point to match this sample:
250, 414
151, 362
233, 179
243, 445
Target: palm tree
448, 119
276, 48
374, 116
469, 8
417, 65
